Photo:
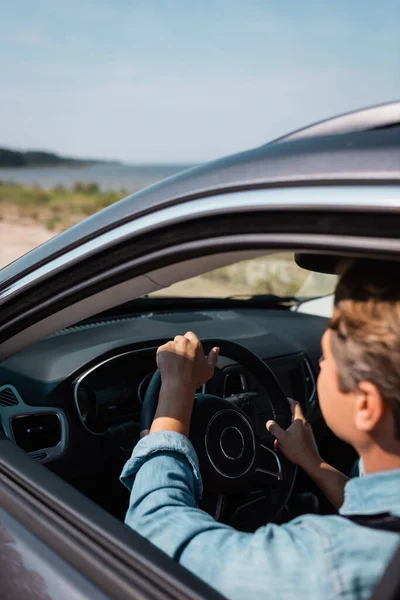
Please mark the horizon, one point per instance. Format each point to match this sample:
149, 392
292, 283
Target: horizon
175, 83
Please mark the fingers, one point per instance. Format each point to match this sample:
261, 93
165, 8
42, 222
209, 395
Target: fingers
182, 344
192, 337
213, 357
276, 430
190, 346
297, 412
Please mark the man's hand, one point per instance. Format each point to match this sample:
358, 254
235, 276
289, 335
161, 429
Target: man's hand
184, 368
297, 442
183, 362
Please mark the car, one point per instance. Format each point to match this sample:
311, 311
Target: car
81, 318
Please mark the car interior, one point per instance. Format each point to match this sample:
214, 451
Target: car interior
75, 399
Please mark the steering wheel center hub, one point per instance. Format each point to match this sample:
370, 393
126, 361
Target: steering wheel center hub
232, 442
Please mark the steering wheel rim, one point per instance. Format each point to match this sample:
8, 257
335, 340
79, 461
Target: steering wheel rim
225, 438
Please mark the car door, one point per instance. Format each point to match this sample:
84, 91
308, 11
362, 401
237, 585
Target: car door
55, 543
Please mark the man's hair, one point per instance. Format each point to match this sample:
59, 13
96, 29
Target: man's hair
366, 329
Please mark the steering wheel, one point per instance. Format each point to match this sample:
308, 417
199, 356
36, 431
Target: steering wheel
234, 458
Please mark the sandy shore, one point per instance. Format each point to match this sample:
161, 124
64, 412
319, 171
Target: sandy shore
17, 238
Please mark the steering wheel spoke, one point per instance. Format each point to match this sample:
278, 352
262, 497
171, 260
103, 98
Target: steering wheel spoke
268, 463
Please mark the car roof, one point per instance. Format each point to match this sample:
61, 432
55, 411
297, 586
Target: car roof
358, 147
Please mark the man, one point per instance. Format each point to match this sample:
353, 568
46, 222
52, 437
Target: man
313, 556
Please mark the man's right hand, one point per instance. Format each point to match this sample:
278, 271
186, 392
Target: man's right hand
297, 442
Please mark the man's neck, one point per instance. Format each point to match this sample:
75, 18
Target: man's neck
376, 459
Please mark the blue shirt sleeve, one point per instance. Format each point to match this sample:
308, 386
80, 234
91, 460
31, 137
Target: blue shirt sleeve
165, 482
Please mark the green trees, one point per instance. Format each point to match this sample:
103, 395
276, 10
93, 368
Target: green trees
11, 158
33, 158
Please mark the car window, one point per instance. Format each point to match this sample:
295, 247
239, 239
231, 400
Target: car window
271, 274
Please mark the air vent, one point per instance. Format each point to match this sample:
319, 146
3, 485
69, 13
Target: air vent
8, 397
36, 432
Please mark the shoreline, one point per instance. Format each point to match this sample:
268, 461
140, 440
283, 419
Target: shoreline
56, 208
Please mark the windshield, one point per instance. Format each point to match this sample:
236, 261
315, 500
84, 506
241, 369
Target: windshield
271, 274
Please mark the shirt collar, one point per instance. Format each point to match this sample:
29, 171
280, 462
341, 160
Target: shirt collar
373, 494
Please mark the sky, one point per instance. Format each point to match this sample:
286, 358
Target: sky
164, 81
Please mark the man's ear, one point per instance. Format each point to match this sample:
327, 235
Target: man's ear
369, 406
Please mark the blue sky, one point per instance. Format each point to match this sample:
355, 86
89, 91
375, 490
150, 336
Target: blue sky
186, 80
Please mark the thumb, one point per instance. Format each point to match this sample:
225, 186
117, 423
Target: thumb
213, 357
276, 430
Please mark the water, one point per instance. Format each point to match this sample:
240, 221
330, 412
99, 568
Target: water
108, 176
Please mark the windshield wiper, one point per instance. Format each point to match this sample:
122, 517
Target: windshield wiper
270, 300
237, 299
266, 299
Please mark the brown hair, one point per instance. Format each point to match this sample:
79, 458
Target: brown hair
366, 329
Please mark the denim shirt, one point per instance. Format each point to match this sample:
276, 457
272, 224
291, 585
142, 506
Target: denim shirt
311, 557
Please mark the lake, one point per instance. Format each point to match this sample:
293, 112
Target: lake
107, 176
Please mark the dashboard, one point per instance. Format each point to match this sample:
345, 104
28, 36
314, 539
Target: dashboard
73, 400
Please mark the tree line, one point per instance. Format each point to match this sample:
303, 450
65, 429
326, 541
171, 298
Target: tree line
38, 158
32, 158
